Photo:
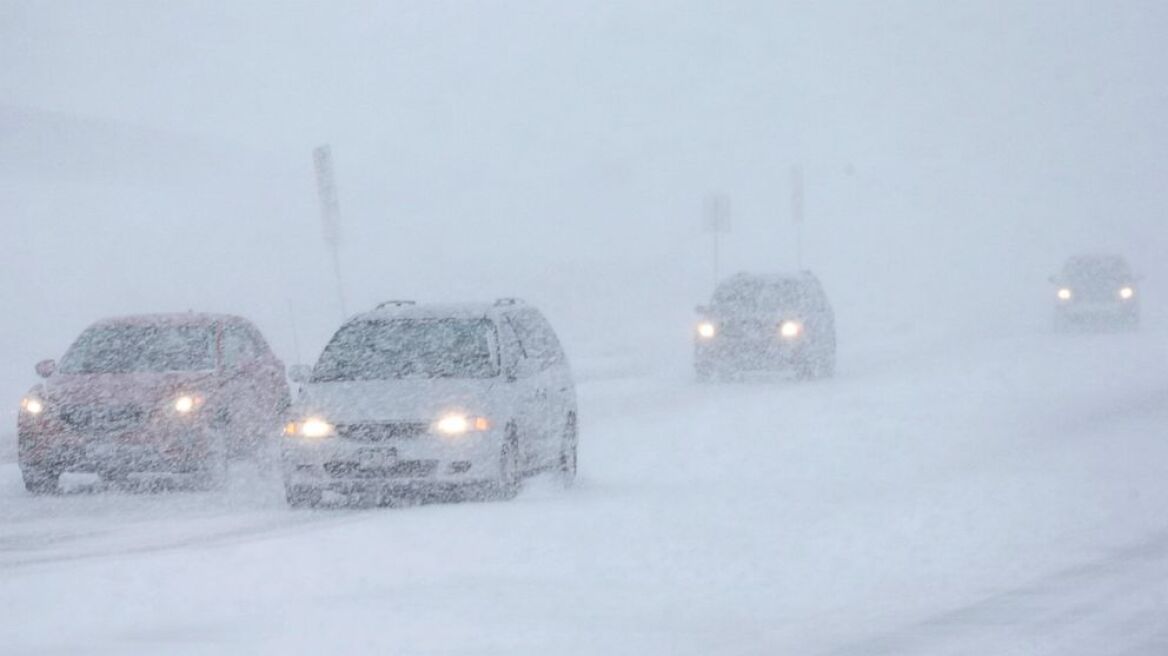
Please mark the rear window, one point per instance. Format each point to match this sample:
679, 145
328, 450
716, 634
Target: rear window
125, 349
380, 349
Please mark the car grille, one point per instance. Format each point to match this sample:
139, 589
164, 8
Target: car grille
382, 432
402, 469
749, 330
102, 418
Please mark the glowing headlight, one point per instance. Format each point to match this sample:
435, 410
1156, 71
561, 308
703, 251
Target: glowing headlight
1127, 293
32, 405
315, 427
706, 330
1065, 294
458, 424
184, 404
790, 329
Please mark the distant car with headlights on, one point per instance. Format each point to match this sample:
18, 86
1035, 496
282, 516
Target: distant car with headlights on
766, 323
428, 400
1096, 290
168, 393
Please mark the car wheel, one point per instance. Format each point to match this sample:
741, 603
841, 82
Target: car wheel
212, 472
510, 479
703, 372
567, 464
303, 496
40, 481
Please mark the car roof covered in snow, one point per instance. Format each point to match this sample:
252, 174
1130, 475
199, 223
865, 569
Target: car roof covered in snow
171, 319
746, 276
409, 310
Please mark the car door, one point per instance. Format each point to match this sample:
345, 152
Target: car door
267, 377
550, 387
521, 392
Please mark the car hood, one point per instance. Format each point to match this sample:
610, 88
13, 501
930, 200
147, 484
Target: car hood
396, 400
139, 388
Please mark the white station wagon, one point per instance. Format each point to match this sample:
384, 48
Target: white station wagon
419, 399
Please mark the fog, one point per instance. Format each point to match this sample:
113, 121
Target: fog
158, 157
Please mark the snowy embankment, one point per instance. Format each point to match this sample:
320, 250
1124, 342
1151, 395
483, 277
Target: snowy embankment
896, 509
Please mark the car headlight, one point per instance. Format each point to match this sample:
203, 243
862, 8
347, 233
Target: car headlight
313, 428
707, 330
1065, 294
185, 404
32, 405
1127, 293
790, 329
460, 424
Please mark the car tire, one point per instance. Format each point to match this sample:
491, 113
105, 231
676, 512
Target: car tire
303, 496
40, 481
566, 467
212, 472
510, 479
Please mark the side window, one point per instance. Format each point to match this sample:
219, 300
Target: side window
238, 346
537, 339
510, 350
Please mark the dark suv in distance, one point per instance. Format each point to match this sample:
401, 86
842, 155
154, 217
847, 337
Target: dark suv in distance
766, 322
1096, 290
168, 393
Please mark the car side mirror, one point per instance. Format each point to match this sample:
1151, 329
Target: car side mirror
702, 309
45, 368
299, 373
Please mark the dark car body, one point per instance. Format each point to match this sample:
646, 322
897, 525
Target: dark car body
766, 322
152, 393
1096, 290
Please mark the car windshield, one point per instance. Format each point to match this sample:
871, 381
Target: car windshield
378, 349
760, 295
1097, 269
129, 348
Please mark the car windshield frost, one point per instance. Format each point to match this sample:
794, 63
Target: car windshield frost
378, 349
760, 296
148, 348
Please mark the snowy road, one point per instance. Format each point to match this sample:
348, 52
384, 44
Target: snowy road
1002, 495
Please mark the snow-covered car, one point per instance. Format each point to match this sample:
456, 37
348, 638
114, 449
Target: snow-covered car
426, 399
766, 322
1095, 289
173, 393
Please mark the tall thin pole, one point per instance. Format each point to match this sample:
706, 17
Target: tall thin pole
717, 221
797, 212
330, 215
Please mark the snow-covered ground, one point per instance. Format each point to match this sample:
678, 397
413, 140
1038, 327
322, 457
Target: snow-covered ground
997, 495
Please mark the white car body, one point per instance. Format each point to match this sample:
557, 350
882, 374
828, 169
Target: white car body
386, 432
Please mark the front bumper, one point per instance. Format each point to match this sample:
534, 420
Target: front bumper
345, 465
148, 449
750, 355
1109, 310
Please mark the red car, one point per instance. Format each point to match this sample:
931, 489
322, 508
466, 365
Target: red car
179, 393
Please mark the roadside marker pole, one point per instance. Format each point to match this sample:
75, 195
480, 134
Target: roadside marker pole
330, 214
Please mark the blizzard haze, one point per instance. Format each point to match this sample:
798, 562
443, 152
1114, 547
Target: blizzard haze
157, 157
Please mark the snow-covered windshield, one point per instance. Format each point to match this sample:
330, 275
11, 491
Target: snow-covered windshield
125, 349
760, 295
378, 349
1096, 269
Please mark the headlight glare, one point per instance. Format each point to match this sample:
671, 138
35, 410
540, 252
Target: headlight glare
315, 427
460, 424
185, 404
706, 330
1065, 294
32, 405
790, 329
1127, 293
